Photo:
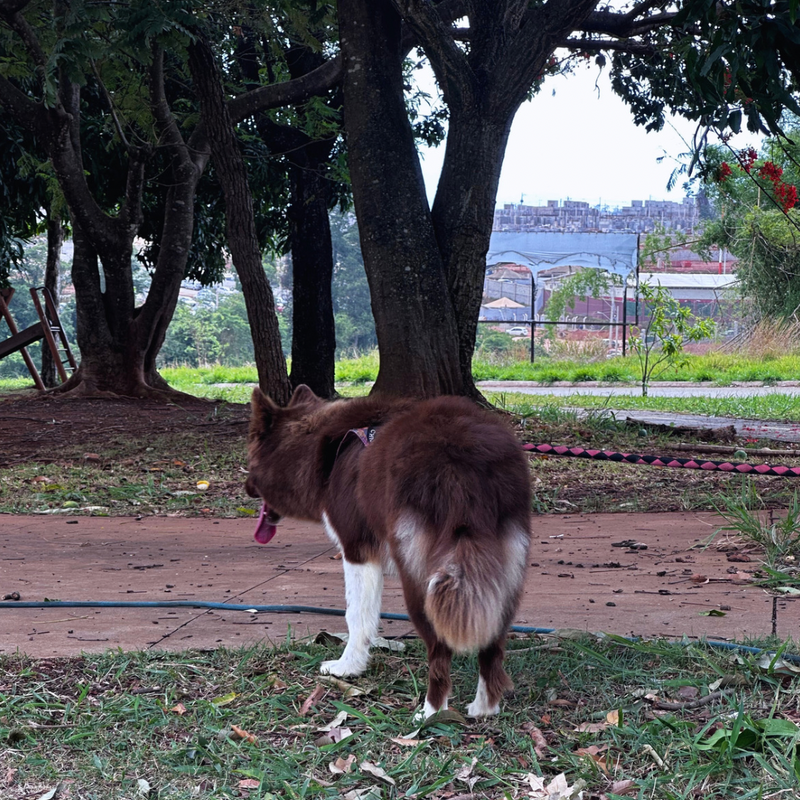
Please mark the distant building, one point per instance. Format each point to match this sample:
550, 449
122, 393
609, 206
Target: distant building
641, 216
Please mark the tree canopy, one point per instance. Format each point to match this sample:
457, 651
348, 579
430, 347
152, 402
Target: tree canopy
120, 96
759, 220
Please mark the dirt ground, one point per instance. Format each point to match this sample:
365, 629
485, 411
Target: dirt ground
43, 428
579, 578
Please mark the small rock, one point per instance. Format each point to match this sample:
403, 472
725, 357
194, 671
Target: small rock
738, 557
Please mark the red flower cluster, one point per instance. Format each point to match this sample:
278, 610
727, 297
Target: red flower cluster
785, 193
747, 158
770, 171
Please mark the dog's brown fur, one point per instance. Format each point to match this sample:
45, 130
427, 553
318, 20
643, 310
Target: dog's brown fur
443, 492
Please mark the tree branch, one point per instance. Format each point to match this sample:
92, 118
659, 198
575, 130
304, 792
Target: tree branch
287, 93
436, 37
111, 109
25, 111
525, 56
598, 45
321, 79
165, 122
624, 25
643, 8
10, 7
20, 26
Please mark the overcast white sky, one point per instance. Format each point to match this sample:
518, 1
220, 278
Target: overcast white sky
575, 142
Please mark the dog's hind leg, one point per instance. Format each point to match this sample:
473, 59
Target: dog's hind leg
363, 585
439, 657
492, 683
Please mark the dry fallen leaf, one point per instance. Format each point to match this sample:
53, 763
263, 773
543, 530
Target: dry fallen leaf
561, 703
444, 716
376, 772
11, 776
406, 742
370, 793
348, 688
465, 774
591, 727
249, 783
243, 734
539, 742
623, 787
312, 699
596, 754
557, 789
612, 718
275, 682
333, 736
341, 766
334, 723
179, 709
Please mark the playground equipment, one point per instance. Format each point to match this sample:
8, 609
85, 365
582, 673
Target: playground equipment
48, 328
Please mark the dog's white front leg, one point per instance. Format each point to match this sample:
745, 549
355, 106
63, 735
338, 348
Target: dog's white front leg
363, 585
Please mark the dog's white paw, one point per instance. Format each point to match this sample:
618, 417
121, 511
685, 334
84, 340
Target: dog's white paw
479, 708
427, 710
341, 668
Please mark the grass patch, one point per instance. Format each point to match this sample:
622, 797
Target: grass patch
104, 724
779, 407
234, 384
157, 475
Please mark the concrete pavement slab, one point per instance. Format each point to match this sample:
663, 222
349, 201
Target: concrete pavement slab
578, 578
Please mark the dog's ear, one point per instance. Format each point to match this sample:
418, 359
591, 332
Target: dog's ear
262, 412
302, 394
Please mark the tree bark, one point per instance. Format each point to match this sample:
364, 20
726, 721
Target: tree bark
313, 329
240, 222
463, 212
414, 317
55, 238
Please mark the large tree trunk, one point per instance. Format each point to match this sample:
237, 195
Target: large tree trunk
118, 341
483, 85
414, 317
55, 238
313, 330
111, 363
463, 211
240, 222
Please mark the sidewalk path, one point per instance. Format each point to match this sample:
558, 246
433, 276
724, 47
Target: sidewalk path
749, 428
577, 579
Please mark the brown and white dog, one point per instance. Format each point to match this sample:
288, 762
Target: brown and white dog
436, 490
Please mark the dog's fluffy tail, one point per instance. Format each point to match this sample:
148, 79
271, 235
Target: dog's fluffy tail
472, 596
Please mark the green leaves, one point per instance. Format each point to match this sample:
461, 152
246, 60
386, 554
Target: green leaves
668, 326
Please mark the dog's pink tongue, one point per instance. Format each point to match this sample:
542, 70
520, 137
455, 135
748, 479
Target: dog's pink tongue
264, 531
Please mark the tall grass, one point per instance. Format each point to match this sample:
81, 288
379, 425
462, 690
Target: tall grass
768, 340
